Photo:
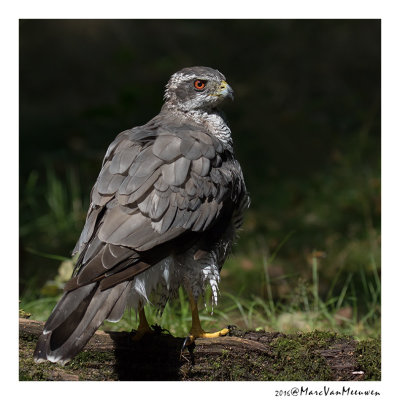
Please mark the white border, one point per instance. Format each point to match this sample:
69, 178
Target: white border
13, 11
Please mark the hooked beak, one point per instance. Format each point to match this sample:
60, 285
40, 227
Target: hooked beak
225, 90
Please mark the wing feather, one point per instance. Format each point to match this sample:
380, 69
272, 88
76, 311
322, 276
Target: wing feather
191, 148
167, 147
158, 207
175, 174
124, 159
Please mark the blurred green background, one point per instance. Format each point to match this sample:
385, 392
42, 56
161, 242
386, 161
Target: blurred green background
306, 128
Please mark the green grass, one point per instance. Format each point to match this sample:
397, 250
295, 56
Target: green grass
302, 310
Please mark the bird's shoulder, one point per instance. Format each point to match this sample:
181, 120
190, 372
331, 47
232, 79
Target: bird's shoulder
183, 132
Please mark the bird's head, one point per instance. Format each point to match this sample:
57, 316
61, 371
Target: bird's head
196, 88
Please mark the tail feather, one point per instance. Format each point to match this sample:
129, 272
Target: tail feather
118, 310
67, 305
74, 322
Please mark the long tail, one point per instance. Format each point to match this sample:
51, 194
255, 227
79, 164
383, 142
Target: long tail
76, 317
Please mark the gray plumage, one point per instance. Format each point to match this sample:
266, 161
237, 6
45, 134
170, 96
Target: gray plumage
163, 214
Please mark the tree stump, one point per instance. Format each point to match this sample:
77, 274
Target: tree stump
241, 356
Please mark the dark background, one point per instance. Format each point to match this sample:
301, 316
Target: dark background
305, 123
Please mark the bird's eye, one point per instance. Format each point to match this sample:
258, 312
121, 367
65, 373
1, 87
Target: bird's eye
199, 84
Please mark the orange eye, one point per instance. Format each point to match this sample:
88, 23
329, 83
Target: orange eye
199, 84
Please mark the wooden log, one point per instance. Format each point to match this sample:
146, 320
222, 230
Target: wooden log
241, 356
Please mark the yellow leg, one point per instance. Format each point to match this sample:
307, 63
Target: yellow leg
143, 327
197, 331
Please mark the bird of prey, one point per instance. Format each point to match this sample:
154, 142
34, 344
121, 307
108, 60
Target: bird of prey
163, 214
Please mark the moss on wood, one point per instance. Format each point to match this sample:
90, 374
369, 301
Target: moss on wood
267, 356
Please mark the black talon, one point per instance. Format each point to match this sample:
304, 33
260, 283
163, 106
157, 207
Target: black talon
187, 338
159, 330
183, 346
189, 346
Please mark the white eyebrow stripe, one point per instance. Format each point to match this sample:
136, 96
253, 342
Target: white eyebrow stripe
178, 78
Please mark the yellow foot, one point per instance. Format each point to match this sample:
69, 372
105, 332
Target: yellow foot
222, 332
206, 335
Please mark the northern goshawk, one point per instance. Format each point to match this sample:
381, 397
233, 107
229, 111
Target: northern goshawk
163, 214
